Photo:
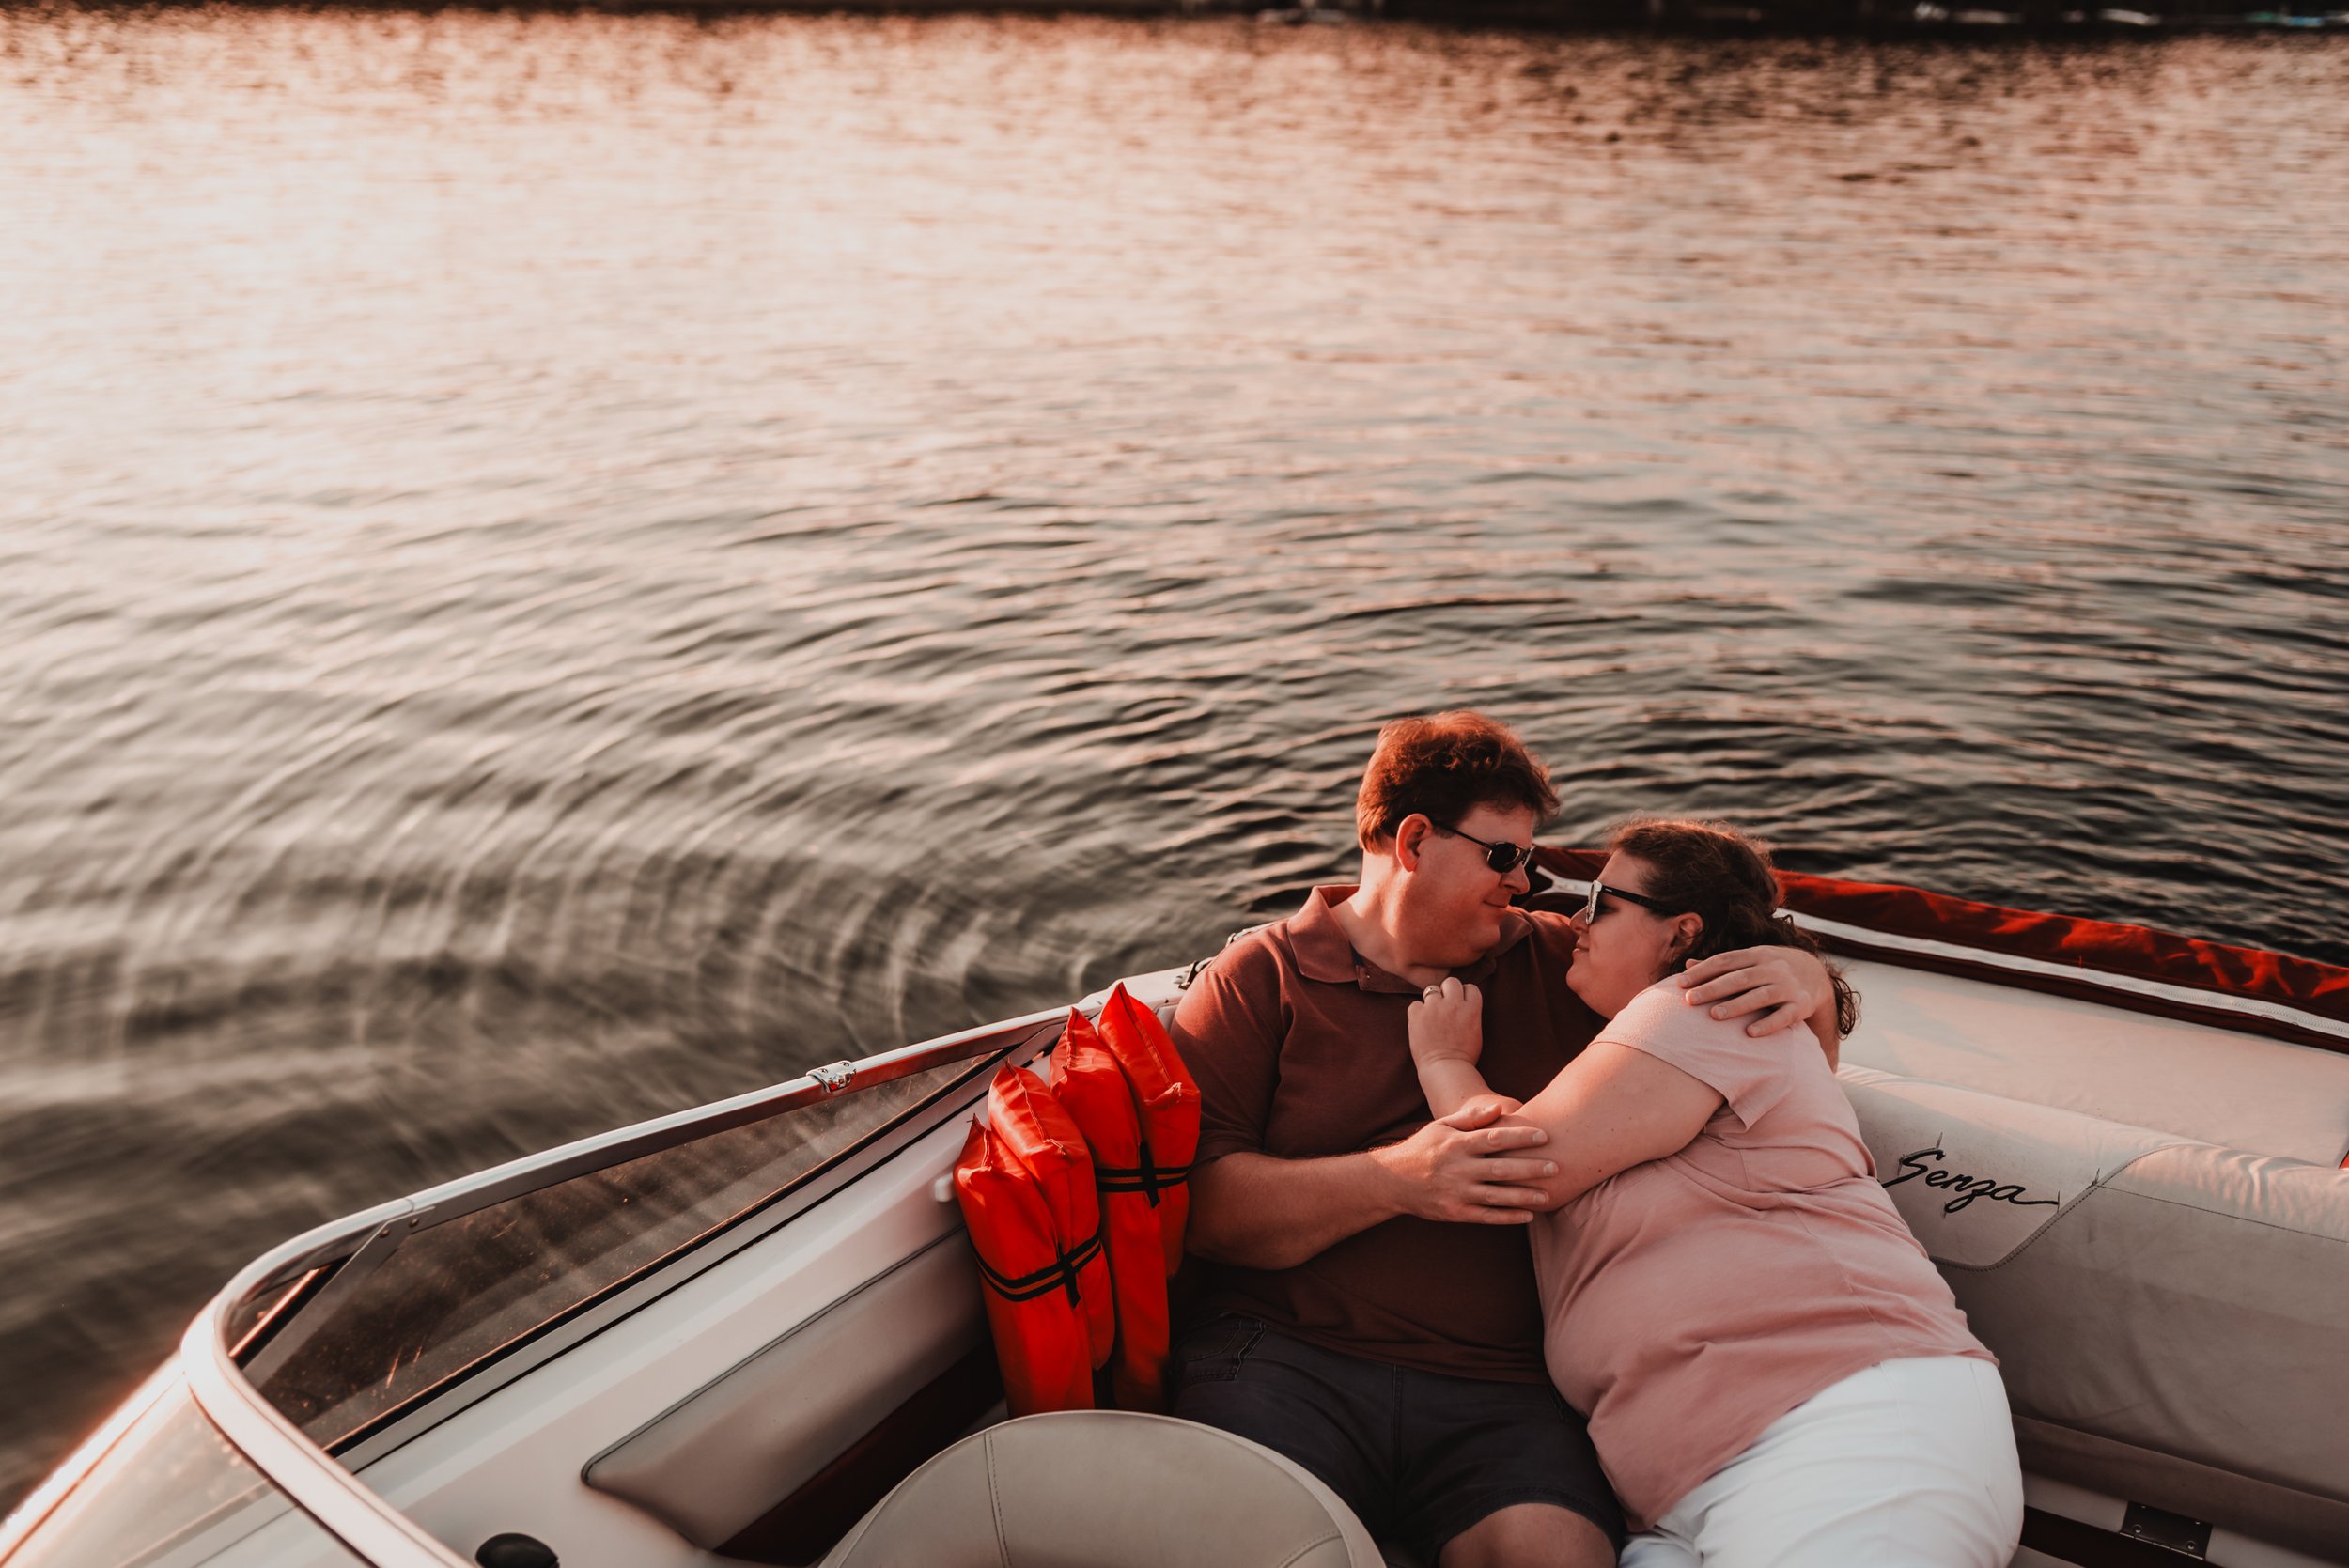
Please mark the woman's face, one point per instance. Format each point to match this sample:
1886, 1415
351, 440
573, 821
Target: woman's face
1627, 947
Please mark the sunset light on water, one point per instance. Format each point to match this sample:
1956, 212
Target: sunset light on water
557, 566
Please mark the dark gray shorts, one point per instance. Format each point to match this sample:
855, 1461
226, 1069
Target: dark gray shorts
1419, 1456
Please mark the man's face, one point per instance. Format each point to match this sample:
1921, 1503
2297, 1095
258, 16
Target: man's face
1455, 900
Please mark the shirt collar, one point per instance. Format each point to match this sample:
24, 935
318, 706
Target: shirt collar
1325, 953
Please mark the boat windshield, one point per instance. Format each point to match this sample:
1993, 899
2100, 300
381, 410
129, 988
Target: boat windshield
343, 1351
173, 1492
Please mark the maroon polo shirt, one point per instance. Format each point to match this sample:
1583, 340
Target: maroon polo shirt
1301, 1049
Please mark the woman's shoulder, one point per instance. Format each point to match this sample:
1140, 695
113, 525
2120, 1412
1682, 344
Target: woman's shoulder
1664, 1013
1751, 1073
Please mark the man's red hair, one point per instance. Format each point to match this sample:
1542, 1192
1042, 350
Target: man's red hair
1444, 766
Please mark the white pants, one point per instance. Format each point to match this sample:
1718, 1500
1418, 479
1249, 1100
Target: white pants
1908, 1465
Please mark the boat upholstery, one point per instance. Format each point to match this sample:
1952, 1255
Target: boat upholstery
2165, 1313
718, 1459
1108, 1489
2234, 1090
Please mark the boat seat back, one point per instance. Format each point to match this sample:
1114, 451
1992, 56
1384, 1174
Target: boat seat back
2235, 1091
1108, 1489
2167, 1313
718, 1459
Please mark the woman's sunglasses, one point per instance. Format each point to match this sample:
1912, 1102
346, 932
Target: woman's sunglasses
1600, 890
1503, 858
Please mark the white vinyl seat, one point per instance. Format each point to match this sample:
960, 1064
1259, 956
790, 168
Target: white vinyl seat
1108, 1489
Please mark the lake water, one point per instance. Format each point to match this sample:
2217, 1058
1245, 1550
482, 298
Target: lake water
554, 568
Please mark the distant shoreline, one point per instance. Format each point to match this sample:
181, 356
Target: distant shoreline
1972, 20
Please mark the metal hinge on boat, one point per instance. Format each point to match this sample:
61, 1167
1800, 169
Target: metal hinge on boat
2171, 1532
833, 1076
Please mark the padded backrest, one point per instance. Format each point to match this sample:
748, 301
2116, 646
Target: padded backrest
2147, 1293
2235, 1091
721, 1457
1978, 1176
1108, 1489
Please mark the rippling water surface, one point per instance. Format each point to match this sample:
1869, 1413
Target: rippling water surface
553, 567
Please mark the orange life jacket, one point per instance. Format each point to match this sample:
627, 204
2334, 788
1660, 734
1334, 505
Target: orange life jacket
1088, 1080
1040, 1338
1168, 1102
1027, 1193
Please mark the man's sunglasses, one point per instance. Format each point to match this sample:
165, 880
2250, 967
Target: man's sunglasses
1600, 890
1503, 858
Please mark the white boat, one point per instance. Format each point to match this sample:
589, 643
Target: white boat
722, 1336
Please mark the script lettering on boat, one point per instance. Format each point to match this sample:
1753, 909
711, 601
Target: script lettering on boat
1967, 1188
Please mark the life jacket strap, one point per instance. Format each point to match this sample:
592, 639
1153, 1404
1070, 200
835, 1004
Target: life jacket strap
1060, 1274
1149, 1178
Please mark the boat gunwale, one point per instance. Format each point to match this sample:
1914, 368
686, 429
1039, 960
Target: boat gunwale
2162, 999
2210, 1003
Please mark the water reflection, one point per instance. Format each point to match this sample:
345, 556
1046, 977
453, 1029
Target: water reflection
556, 567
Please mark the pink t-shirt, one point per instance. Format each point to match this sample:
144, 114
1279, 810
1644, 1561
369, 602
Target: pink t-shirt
1693, 1300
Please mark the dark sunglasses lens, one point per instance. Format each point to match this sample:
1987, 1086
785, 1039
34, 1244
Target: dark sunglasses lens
1505, 858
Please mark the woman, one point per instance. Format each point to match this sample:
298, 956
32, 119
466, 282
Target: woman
1774, 1372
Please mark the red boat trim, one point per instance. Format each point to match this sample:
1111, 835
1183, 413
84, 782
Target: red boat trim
2242, 989
2238, 1016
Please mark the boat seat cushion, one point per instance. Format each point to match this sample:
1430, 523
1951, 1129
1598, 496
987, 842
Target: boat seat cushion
2145, 1294
1108, 1489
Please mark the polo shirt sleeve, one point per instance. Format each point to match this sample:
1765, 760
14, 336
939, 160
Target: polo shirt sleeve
1229, 1027
1751, 1074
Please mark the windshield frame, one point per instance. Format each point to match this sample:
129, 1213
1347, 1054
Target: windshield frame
431, 1405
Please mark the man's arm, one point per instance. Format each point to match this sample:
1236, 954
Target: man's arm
1786, 986
1255, 1210
1258, 1211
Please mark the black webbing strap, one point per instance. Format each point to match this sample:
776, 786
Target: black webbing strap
1149, 1178
1060, 1274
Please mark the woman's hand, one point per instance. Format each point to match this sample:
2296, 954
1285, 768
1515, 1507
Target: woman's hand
1447, 1024
1480, 1109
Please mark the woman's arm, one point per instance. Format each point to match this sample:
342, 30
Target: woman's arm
1609, 1108
1447, 1030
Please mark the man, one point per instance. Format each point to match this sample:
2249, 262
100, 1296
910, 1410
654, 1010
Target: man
1369, 1306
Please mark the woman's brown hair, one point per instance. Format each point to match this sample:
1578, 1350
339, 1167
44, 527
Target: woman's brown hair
1726, 880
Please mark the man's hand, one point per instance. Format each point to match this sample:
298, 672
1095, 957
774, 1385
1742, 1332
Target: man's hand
1447, 1023
1784, 985
1463, 1169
